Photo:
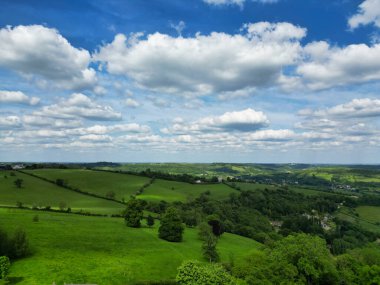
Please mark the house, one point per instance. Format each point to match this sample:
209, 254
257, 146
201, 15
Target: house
18, 166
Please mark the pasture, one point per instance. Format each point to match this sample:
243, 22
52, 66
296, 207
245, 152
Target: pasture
96, 182
101, 250
38, 193
171, 191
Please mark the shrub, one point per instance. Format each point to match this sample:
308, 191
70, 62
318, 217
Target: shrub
193, 272
4, 267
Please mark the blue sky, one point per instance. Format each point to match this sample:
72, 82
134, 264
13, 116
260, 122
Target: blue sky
194, 81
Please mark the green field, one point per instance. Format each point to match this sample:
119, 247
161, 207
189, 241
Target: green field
179, 191
39, 193
299, 189
78, 249
97, 182
361, 220
369, 213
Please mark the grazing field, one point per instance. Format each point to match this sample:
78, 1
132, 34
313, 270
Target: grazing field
369, 213
97, 182
39, 193
179, 191
345, 214
78, 249
298, 189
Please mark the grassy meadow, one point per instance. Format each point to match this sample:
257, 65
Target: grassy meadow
39, 193
76, 249
97, 182
171, 191
369, 213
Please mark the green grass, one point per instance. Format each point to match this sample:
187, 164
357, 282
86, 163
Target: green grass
77, 249
36, 192
369, 213
97, 182
344, 213
178, 191
298, 189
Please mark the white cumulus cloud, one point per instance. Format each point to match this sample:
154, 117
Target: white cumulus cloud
45, 55
17, 97
79, 105
203, 64
368, 13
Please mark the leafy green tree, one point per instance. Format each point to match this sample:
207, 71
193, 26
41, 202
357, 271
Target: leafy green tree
4, 267
150, 221
18, 182
133, 213
171, 228
296, 259
195, 273
209, 242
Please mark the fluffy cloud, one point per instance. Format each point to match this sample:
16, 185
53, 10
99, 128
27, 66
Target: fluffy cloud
17, 97
357, 108
241, 121
129, 102
79, 105
368, 12
204, 64
9, 122
272, 135
327, 66
43, 54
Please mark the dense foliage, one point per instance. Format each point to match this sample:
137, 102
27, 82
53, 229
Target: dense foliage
134, 213
195, 273
171, 228
15, 246
5, 264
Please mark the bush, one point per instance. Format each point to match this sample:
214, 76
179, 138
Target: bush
4, 267
193, 272
19, 244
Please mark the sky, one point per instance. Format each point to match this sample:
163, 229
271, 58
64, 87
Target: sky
253, 81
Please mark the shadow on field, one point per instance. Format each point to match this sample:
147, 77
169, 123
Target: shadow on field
14, 280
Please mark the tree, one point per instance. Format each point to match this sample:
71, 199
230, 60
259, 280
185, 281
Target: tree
298, 259
171, 228
193, 272
18, 182
133, 213
150, 221
62, 206
20, 244
4, 267
209, 242
110, 195
61, 182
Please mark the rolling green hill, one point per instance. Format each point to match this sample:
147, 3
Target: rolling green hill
97, 182
180, 191
39, 193
78, 249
